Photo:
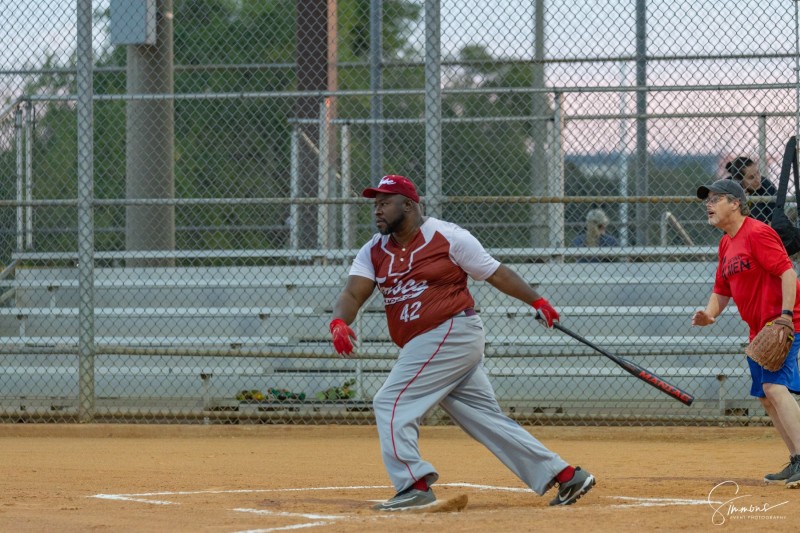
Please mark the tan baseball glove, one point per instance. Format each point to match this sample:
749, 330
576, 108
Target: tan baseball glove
770, 346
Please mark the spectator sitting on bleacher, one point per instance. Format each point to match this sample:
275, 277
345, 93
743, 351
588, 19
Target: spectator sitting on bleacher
595, 235
745, 172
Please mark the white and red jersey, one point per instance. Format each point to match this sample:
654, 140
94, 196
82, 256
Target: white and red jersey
424, 283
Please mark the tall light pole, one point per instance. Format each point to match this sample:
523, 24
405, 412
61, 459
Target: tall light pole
642, 187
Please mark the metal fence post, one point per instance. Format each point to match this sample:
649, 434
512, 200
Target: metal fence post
85, 114
20, 183
347, 209
555, 180
797, 73
375, 85
540, 108
762, 145
29, 174
642, 185
624, 222
433, 109
294, 187
323, 190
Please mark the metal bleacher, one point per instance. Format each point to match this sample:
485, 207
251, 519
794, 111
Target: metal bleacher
195, 335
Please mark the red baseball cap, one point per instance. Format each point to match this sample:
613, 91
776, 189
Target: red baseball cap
393, 184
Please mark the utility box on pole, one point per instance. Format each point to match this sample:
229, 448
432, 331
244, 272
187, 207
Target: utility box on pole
133, 22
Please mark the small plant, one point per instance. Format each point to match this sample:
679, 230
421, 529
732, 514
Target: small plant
344, 392
253, 395
283, 395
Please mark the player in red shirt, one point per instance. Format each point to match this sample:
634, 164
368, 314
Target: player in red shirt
420, 265
755, 271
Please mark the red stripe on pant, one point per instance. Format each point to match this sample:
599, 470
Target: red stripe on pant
394, 407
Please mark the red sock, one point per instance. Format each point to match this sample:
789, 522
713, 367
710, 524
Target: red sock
565, 475
420, 484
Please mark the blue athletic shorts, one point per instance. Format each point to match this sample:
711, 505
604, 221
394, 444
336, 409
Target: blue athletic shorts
787, 375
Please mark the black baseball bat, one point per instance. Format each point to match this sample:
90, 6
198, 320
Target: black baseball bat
634, 369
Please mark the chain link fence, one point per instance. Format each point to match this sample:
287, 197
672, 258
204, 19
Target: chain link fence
181, 196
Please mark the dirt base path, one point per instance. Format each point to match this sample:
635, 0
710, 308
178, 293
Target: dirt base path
325, 478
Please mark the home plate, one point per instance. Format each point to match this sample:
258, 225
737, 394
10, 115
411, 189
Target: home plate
449, 505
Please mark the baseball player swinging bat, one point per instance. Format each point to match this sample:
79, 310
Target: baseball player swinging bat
634, 369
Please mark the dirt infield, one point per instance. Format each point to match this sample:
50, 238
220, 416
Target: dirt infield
324, 478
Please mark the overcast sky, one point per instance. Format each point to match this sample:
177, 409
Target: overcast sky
33, 29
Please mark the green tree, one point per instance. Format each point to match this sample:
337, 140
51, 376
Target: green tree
223, 147
495, 157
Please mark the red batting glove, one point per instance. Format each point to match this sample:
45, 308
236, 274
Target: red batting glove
545, 312
341, 337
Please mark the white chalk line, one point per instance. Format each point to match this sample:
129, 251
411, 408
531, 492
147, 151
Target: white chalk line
293, 515
235, 491
655, 502
264, 512
139, 496
130, 498
323, 520
285, 528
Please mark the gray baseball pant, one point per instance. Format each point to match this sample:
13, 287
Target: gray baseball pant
444, 367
